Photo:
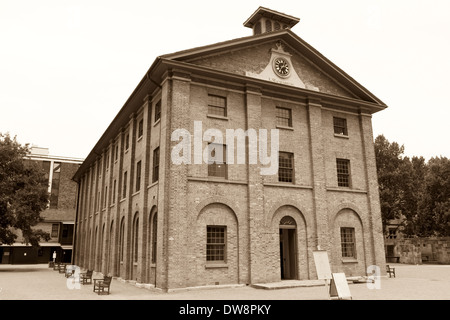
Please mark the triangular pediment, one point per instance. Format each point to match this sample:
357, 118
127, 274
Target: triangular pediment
280, 57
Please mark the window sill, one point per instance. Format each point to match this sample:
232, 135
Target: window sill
349, 260
136, 193
216, 265
153, 184
140, 138
346, 189
156, 122
343, 136
285, 128
126, 151
217, 180
112, 205
217, 117
122, 200
287, 185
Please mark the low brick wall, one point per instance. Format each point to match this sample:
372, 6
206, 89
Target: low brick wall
423, 250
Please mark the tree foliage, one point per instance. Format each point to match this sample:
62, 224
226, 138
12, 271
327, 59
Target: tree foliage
23, 194
416, 191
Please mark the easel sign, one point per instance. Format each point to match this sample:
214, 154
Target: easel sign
322, 265
339, 287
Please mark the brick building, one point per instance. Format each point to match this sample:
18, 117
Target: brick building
59, 217
144, 217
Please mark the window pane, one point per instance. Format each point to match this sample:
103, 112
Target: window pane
343, 172
284, 117
215, 243
158, 110
217, 105
285, 167
340, 126
348, 242
155, 165
217, 165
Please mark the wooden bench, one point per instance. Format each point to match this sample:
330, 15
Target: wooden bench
101, 286
56, 266
390, 271
62, 268
86, 277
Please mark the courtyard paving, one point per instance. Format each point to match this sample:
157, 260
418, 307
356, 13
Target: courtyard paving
39, 282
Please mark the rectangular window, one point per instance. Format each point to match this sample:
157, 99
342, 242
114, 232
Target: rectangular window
343, 172
348, 242
140, 128
114, 192
340, 126
217, 164
216, 243
158, 110
54, 195
286, 167
127, 141
107, 160
116, 152
138, 176
217, 106
55, 230
155, 165
105, 197
284, 117
124, 193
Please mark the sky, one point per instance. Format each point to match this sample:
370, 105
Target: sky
68, 67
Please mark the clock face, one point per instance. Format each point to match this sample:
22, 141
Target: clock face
281, 67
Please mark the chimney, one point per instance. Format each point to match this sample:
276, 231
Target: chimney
266, 20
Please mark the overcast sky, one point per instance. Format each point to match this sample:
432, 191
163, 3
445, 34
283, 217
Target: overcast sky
67, 67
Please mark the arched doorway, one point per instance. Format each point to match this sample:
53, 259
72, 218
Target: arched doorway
288, 248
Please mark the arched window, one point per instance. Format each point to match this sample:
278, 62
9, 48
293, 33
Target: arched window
277, 26
121, 239
102, 239
135, 238
154, 236
109, 246
94, 246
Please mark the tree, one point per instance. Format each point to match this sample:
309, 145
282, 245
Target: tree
23, 194
414, 191
433, 218
392, 178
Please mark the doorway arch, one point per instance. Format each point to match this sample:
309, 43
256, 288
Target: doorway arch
288, 248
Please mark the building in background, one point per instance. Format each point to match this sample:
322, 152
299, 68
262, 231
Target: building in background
59, 217
161, 223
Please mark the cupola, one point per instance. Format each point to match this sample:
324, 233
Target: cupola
266, 20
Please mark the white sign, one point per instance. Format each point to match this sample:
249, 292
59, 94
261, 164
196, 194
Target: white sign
339, 287
322, 265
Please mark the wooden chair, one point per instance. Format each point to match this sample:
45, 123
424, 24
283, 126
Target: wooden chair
390, 271
102, 286
62, 268
86, 277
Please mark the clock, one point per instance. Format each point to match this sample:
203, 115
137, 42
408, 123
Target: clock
281, 67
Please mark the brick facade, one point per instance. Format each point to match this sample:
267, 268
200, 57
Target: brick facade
250, 206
